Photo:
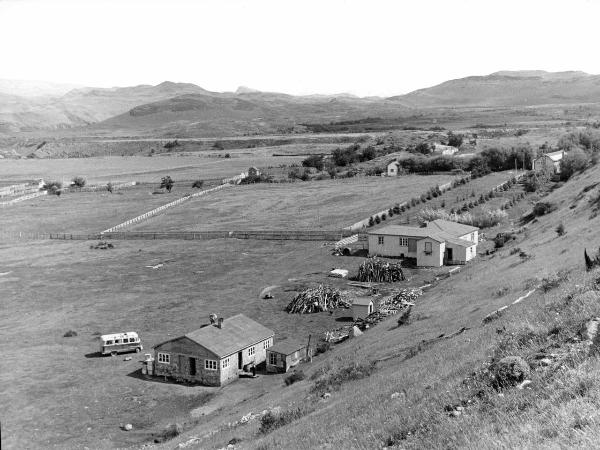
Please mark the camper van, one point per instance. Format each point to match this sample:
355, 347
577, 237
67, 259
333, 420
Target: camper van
112, 344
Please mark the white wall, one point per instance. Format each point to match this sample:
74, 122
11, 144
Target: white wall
435, 259
474, 238
391, 247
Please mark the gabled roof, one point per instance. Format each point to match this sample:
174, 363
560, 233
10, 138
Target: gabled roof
399, 230
396, 162
362, 301
453, 228
554, 156
237, 333
287, 347
460, 242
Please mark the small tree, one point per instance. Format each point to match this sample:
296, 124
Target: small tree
53, 187
78, 182
198, 184
109, 187
167, 183
560, 229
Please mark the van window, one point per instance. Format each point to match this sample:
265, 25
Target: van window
131, 339
108, 343
117, 341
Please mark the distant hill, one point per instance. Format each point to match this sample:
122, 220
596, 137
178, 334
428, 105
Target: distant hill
507, 88
27, 88
183, 109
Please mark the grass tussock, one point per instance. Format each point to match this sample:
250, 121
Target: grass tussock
334, 379
277, 419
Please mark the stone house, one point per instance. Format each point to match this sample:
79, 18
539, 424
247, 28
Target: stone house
215, 354
548, 162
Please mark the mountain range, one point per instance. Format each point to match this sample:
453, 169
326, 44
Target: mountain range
188, 110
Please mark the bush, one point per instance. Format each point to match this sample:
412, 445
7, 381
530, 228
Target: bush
315, 161
502, 238
574, 161
377, 219
109, 187
542, 208
78, 182
218, 145
560, 229
323, 347
383, 216
167, 183
276, 419
294, 376
53, 187
553, 281
455, 140
335, 379
70, 333
172, 144
198, 184
371, 221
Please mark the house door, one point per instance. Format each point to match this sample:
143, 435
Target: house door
449, 254
240, 360
193, 366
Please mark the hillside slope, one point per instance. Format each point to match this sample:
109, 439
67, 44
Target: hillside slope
521, 88
405, 387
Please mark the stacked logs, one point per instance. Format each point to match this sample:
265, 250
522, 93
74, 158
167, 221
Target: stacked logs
374, 269
321, 298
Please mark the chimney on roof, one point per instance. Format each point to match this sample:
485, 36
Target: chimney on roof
212, 318
220, 323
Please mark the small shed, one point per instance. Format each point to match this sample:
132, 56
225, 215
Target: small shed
393, 169
285, 355
362, 307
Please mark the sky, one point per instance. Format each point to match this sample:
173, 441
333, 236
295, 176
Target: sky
374, 47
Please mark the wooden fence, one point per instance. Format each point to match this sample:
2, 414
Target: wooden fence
160, 209
23, 198
45, 236
272, 235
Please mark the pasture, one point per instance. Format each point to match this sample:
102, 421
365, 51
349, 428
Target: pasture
136, 168
327, 204
58, 393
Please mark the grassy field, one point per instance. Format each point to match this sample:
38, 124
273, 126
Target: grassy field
58, 394
136, 168
81, 212
327, 204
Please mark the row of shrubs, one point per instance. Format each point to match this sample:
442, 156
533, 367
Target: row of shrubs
432, 193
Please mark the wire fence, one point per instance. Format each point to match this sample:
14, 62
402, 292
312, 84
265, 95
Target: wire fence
276, 235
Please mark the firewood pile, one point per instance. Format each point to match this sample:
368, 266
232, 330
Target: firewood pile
102, 245
374, 269
400, 302
321, 298
337, 335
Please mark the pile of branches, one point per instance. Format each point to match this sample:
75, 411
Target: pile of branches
321, 298
374, 269
399, 303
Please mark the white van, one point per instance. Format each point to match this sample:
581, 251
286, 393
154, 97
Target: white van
112, 344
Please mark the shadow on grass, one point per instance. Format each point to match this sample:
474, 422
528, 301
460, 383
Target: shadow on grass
344, 319
160, 379
95, 355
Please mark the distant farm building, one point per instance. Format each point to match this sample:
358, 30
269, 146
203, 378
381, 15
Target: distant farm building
253, 172
362, 307
284, 355
393, 169
440, 242
445, 149
548, 162
215, 354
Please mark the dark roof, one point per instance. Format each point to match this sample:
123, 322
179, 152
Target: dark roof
454, 228
287, 347
363, 301
238, 332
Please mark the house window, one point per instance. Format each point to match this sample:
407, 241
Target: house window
428, 247
403, 242
380, 240
473, 237
210, 364
251, 351
267, 344
164, 358
273, 359
225, 363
